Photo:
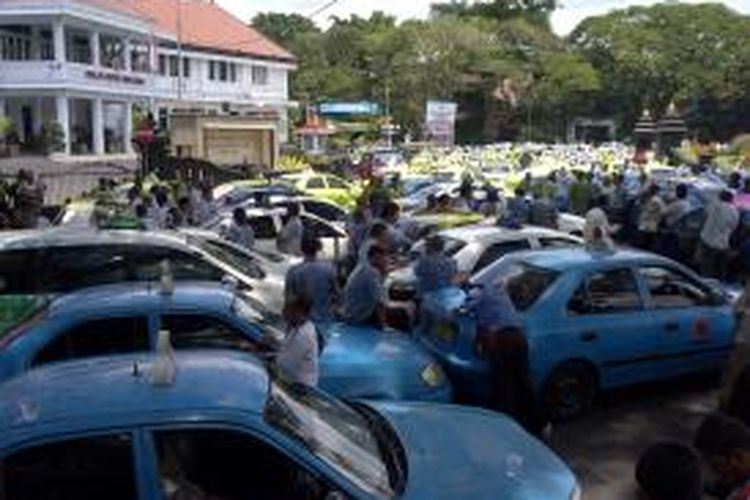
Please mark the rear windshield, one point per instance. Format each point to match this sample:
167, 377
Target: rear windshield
525, 283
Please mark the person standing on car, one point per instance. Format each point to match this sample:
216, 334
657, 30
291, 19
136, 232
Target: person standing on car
364, 294
240, 232
434, 269
290, 237
298, 360
722, 218
314, 281
504, 346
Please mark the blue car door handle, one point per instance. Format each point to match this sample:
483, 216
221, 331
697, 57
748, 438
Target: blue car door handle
589, 336
671, 326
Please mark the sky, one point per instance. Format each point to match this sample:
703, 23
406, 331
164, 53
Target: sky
564, 20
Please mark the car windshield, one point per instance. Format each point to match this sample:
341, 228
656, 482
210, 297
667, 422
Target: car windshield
525, 283
229, 255
252, 311
332, 431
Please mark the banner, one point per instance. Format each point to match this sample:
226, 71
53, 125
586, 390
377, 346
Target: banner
349, 108
441, 122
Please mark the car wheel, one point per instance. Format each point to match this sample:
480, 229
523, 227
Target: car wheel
569, 391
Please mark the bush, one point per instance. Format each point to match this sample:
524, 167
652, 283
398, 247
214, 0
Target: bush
6, 127
52, 138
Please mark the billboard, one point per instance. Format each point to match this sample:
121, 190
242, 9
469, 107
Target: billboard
362, 108
440, 122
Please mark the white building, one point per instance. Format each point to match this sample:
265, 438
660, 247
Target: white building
90, 64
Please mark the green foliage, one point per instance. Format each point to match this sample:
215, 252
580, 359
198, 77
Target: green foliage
51, 138
6, 126
283, 28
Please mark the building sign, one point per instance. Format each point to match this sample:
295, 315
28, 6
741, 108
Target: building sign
441, 121
114, 77
349, 108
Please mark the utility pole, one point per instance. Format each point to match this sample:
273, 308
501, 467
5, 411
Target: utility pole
179, 50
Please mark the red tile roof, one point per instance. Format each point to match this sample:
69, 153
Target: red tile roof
204, 24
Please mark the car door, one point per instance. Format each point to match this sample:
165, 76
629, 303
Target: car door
93, 466
693, 324
604, 324
231, 463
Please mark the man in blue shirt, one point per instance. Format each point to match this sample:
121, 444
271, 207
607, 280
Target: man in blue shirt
364, 294
434, 270
314, 281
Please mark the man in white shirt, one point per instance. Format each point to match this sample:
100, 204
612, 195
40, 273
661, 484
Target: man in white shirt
297, 361
722, 218
290, 238
650, 218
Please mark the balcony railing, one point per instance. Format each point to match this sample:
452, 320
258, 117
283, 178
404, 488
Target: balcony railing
20, 74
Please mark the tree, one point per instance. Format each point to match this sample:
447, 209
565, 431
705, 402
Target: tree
696, 55
283, 28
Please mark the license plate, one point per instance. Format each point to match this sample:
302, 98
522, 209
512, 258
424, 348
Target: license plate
445, 332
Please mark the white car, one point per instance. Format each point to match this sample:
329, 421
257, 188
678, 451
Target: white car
267, 223
474, 248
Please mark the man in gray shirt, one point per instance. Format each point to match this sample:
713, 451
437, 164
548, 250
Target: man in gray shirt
722, 218
364, 294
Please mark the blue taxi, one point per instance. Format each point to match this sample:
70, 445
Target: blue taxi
592, 321
110, 319
100, 428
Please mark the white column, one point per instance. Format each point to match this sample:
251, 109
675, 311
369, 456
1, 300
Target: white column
63, 118
2, 107
97, 124
128, 135
128, 55
58, 38
36, 43
95, 44
37, 116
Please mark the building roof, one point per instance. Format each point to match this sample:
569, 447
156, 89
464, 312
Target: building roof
206, 25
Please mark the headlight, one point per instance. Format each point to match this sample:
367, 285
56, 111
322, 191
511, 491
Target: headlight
433, 375
576, 494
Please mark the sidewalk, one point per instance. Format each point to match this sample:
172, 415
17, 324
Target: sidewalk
68, 179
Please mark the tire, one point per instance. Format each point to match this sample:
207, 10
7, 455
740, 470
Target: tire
569, 391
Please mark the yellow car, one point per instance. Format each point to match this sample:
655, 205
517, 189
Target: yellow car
325, 186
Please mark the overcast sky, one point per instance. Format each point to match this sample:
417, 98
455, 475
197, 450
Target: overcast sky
563, 20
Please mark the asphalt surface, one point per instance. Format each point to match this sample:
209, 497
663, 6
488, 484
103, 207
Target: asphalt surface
603, 447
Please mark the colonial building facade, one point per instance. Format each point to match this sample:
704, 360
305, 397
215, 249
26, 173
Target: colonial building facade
89, 65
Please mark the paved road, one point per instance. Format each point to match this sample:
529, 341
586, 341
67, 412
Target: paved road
603, 447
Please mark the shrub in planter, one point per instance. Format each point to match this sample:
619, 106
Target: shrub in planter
52, 138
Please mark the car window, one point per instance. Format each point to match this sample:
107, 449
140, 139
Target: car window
494, 252
146, 264
69, 268
93, 467
318, 228
526, 284
324, 210
231, 256
97, 338
316, 183
336, 183
671, 289
19, 272
197, 331
557, 243
264, 227
606, 292
207, 463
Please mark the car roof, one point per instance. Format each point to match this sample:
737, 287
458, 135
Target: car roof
137, 297
483, 233
64, 237
102, 391
575, 258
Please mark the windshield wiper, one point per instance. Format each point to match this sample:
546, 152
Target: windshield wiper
390, 446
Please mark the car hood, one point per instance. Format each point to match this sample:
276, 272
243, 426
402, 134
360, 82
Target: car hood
460, 452
377, 364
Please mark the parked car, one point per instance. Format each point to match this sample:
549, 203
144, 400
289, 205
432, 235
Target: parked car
224, 428
324, 186
473, 248
234, 193
59, 261
267, 223
592, 321
110, 319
